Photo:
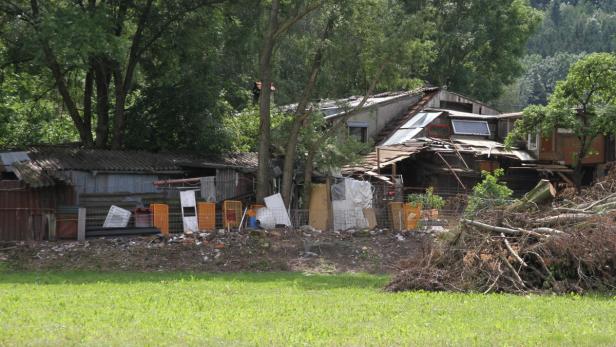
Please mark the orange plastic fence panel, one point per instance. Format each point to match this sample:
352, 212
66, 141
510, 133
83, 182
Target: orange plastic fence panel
160, 217
231, 213
206, 215
412, 213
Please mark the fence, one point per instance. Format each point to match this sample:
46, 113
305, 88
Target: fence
26, 224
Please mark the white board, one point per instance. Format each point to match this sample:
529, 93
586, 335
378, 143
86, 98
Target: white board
189, 204
275, 205
117, 217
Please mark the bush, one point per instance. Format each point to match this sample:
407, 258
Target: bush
489, 192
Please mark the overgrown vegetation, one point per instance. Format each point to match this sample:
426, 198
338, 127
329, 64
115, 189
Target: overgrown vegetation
266, 309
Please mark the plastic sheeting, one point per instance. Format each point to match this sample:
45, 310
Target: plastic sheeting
348, 213
274, 212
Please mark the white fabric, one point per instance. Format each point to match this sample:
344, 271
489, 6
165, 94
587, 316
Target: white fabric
349, 213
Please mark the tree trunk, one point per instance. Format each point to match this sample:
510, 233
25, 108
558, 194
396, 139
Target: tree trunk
118, 112
309, 167
88, 90
102, 78
578, 174
265, 73
301, 115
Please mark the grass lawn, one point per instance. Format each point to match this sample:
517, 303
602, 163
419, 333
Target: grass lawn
282, 309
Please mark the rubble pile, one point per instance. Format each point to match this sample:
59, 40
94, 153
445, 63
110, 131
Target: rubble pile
280, 249
565, 245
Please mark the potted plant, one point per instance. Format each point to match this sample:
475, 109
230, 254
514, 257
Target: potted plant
429, 202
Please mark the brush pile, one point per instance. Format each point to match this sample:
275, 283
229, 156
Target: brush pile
566, 245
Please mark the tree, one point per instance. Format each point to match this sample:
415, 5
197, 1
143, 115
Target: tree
479, 44
585, 103
92, 47
277, 26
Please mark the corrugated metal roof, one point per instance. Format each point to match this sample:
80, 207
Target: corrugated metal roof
45, 164
69, 158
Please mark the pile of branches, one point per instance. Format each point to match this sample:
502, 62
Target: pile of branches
566, 245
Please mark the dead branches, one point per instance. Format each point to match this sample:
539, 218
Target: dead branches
568, 246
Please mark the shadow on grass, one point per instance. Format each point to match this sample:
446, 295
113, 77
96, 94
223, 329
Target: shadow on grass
306, 281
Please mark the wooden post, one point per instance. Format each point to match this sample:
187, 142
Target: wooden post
378, 160
81, 224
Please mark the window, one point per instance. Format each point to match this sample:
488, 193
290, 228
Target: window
533, 142
360, 133
470, 127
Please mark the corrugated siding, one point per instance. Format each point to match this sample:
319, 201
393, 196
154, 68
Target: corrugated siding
85, 182
23, 210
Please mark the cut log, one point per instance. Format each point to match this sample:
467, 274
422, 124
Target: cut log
544, 190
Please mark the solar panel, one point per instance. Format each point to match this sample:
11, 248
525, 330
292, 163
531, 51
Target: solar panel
470, 127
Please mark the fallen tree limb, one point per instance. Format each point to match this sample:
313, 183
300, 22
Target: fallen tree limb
563, 218
550, 231
513, 253
588, 206
509, 231
489, 227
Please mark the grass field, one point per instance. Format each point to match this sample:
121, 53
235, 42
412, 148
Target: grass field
282, 309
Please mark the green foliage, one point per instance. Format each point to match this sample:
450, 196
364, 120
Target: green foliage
489, 193
479, 44
283, 309
428, 200
243, 129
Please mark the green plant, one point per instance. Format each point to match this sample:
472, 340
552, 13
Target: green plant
428, 200
489, 193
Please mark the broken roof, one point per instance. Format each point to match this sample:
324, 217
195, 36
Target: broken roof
389, 154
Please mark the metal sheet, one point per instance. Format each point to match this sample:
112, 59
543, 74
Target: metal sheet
8, 158
421, 120
401, 136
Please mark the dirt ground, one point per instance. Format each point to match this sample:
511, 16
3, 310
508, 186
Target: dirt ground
276, 250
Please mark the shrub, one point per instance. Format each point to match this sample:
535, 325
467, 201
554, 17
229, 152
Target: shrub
489, 192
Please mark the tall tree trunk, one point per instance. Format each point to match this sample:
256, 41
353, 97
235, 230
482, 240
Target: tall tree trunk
123, 85
265, 73
88, 90
102, 76
302, 114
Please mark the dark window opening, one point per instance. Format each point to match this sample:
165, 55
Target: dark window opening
457, 106
360, 133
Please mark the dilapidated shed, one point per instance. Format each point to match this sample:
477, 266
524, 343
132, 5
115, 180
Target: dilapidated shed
43, 181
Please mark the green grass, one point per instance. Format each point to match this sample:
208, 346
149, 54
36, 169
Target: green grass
282, 309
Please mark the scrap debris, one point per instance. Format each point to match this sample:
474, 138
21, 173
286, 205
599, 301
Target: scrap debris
566, 245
